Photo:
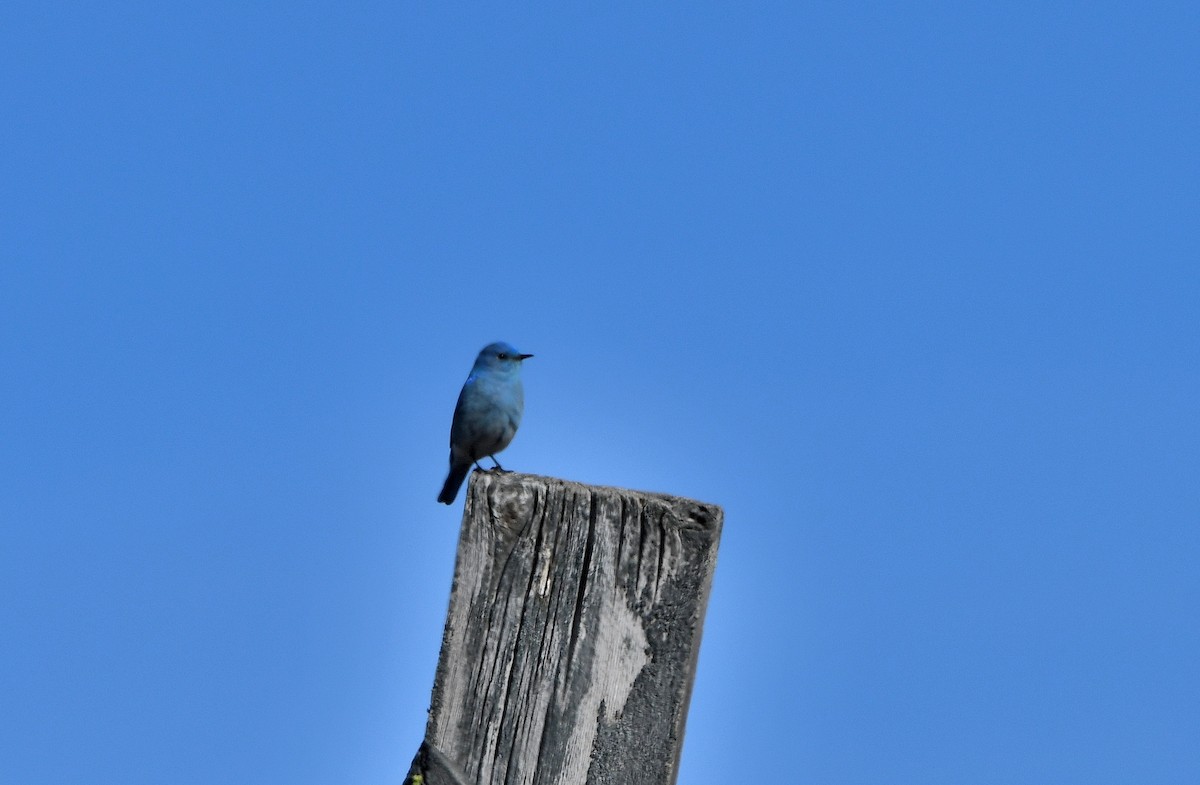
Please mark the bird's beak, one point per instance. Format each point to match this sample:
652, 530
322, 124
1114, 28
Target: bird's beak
524, 356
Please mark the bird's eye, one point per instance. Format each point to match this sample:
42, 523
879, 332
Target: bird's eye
502, 355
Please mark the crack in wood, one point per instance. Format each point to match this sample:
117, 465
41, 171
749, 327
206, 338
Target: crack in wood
581, 586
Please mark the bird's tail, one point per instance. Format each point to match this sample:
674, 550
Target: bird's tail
458, 473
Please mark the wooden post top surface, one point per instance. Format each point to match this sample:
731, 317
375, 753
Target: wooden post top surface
508, 492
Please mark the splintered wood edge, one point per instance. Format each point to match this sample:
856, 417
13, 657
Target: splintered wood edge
516, 486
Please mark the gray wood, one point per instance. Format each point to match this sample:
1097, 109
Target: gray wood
571, 640
430, 766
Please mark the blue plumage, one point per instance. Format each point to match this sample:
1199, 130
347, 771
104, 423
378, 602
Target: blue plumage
488, 413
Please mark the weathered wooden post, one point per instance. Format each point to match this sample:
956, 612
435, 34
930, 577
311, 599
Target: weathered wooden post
571, 640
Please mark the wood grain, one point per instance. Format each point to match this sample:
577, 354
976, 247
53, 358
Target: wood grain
571, 639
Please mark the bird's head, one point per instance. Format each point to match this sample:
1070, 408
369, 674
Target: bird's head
500, 356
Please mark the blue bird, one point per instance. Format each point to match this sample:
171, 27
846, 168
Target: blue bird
487, 415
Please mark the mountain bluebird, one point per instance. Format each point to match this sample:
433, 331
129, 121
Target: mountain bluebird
487, 415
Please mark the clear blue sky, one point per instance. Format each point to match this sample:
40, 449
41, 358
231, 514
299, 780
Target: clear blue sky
910, 289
